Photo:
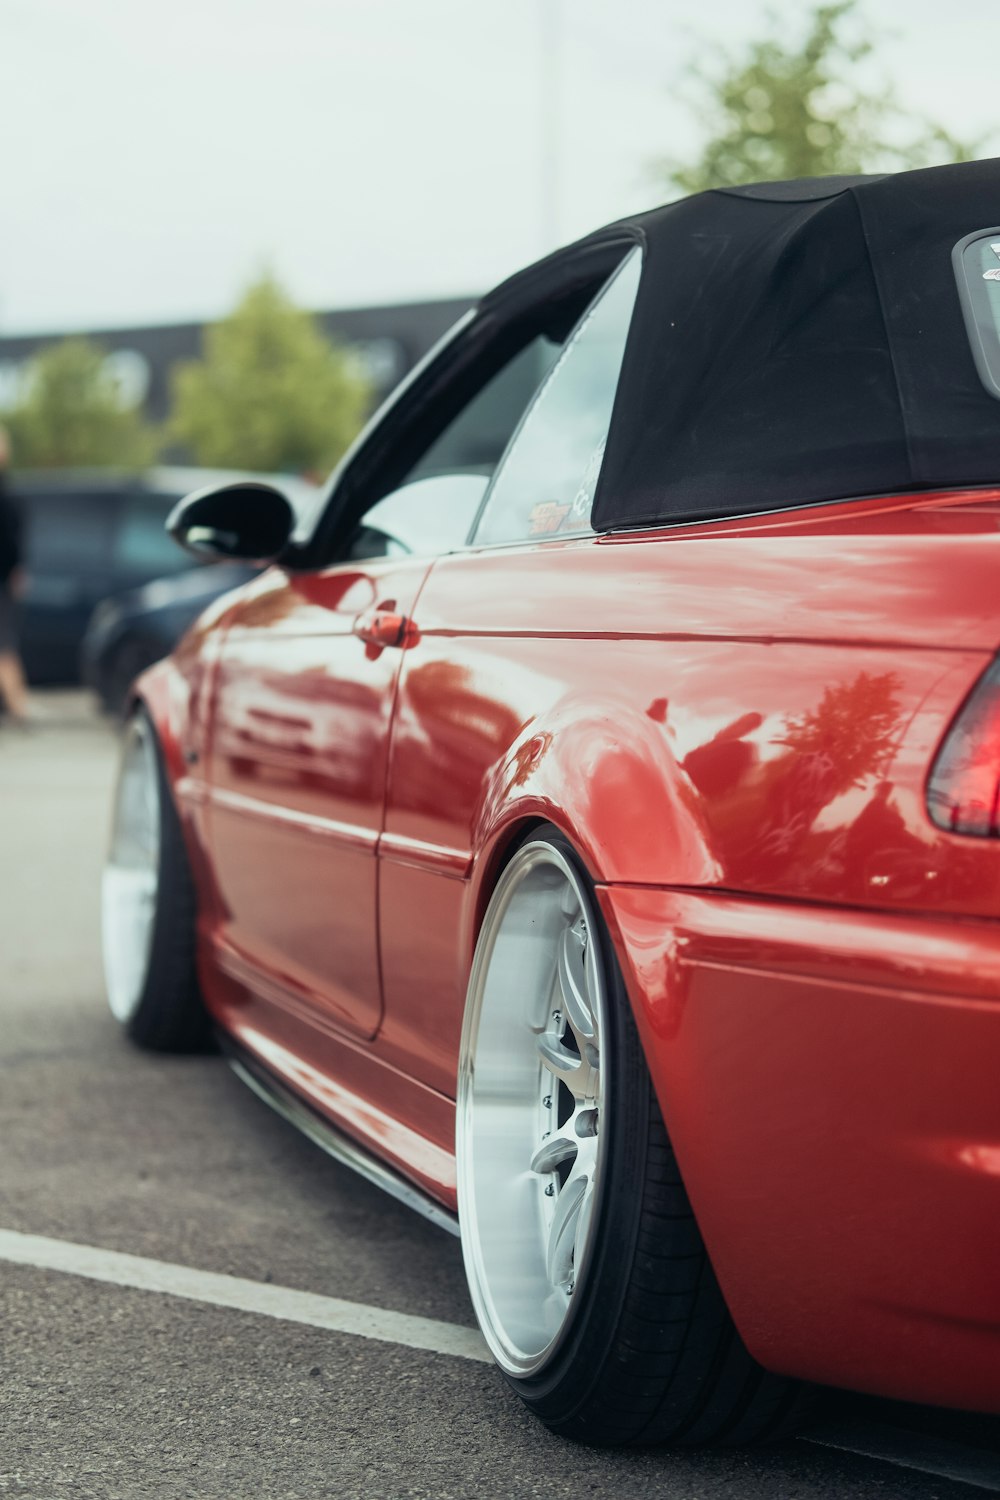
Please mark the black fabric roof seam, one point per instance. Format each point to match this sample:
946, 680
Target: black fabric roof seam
885, 324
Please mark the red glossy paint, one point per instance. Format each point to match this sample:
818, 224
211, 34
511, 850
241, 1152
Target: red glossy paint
829, 1082
734, 723
296, 770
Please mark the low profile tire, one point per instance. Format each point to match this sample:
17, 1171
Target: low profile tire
148, 907
587, 1271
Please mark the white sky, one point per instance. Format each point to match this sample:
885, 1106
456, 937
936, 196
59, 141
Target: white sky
157, 157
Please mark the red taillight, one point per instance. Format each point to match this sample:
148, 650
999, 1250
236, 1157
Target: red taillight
963, 793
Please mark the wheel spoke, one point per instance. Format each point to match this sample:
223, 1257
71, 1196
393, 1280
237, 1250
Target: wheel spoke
564, 1065
554, 1152
572, 975
583, 1218
574, 1205
563, 1232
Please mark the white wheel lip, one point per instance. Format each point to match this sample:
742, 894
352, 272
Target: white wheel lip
130, 880
514, 1360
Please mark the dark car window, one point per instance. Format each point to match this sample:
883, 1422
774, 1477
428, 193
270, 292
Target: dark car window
143, 548
433, 509
475, 441
68, 533
546, 481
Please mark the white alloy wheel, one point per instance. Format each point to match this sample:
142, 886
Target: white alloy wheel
130, 883
532, 1102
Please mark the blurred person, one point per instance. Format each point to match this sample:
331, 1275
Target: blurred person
13, 691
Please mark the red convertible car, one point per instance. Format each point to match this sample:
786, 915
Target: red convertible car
590, 826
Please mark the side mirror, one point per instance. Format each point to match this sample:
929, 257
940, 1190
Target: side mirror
246, 519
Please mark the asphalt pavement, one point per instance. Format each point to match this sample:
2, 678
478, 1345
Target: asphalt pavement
118, 1389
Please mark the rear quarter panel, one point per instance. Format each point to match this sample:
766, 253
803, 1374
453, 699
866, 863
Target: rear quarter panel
715, 708
734, 725
748, 708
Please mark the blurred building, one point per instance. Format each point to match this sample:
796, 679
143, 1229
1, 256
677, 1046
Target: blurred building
389, 340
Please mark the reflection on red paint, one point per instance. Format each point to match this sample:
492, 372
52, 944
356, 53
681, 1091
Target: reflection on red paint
981, 1159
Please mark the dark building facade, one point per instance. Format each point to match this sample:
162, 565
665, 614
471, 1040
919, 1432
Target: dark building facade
389, 340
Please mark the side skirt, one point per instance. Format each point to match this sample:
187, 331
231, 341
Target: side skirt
329, 1139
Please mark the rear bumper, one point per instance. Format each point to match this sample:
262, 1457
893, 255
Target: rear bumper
831, 1082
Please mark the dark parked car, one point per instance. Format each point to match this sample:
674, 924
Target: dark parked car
132, 630
93, 533
88, 533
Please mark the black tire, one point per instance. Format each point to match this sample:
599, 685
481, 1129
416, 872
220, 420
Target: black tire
650, 1355
168, 1014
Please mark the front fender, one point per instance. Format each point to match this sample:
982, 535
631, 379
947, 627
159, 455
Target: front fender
165, 695
178, 693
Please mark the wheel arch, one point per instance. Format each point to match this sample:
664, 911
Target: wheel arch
610, 784
608, 780
761, 1404
159, 691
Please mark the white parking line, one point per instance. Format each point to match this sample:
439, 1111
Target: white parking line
926, 1454
332, 1313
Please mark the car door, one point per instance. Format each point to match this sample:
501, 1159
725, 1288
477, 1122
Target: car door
297, 768
305, 689
504, 626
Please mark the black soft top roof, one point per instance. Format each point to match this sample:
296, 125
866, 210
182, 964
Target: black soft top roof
800, 341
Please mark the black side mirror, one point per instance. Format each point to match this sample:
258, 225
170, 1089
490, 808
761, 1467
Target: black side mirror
246, 519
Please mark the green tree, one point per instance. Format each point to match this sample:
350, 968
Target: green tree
71, 412
784, 109
271, 392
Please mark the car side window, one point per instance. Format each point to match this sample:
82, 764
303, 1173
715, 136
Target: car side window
68, 532
424, 517
545, 482
433, 510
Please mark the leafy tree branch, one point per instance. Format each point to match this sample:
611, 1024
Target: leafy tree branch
781, 109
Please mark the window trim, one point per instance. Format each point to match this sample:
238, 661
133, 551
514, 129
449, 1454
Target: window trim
970, 296
636, 248
479, 345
